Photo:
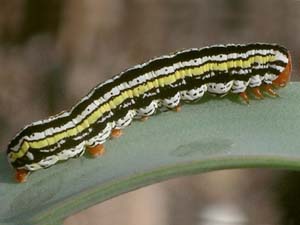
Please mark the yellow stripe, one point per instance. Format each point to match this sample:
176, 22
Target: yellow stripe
137, 91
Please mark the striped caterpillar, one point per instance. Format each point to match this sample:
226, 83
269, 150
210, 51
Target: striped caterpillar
139, 91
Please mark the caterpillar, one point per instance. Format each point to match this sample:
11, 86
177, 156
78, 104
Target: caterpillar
136, 93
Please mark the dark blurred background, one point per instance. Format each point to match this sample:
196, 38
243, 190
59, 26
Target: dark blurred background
52, 52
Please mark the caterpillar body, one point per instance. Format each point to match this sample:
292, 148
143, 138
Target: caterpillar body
138, 92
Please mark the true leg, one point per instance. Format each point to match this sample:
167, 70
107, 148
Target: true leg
97, 150
21, 175
115, 133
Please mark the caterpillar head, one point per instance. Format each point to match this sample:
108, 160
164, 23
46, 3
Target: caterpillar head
284, 77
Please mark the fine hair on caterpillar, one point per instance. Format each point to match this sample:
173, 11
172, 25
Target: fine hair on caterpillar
137, 93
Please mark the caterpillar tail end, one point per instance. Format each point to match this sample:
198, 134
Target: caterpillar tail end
21, 175
284, 77
96, 151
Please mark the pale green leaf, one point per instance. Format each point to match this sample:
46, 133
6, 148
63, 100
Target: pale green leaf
217, 133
